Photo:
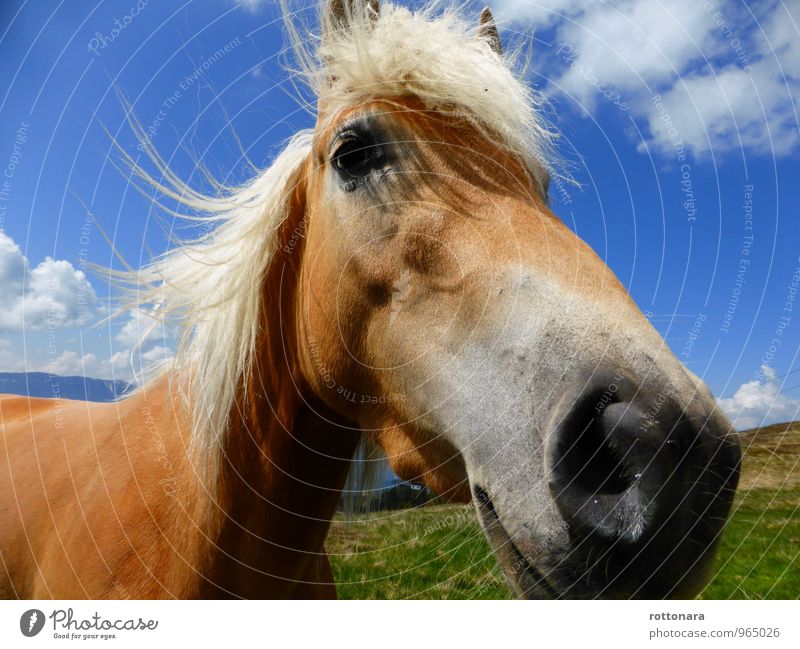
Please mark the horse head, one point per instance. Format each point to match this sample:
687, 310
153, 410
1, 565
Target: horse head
490, 352
413, 282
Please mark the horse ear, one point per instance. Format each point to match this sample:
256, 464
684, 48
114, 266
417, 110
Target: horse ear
488, 31
338, 16
340, 12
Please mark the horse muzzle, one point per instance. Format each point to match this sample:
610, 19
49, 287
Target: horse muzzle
644, 486
643, 490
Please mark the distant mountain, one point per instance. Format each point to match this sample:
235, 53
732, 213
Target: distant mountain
42, 384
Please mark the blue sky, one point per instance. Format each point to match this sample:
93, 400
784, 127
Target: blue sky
677, 120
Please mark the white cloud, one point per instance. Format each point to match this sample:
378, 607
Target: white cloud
758, 403
538, 12
251, 5
730, 109
781, 36
9, 359
633, 45
157, 354
727, 78
139, 329
136, 365
53, 293
70, 363
123, 365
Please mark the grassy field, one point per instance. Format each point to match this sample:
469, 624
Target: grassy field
439, 552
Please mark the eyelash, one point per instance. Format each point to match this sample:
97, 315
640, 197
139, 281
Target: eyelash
357, 156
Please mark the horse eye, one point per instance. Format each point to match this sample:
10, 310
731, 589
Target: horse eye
356, 159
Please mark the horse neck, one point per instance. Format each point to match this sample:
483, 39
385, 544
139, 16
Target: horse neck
277, 491
284, 461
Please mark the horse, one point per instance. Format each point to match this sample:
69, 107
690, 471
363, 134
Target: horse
395, 281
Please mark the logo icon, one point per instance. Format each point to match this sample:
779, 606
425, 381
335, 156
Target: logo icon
31, 622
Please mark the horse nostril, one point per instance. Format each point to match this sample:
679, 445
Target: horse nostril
607, 467
642, 484
589, 462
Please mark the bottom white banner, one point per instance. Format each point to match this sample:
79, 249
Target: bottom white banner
398, 624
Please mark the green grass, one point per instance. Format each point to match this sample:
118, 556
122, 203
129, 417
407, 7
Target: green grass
436, 552
439, 552
759, 555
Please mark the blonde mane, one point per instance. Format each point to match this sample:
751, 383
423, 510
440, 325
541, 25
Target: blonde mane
437, 55
212, 287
